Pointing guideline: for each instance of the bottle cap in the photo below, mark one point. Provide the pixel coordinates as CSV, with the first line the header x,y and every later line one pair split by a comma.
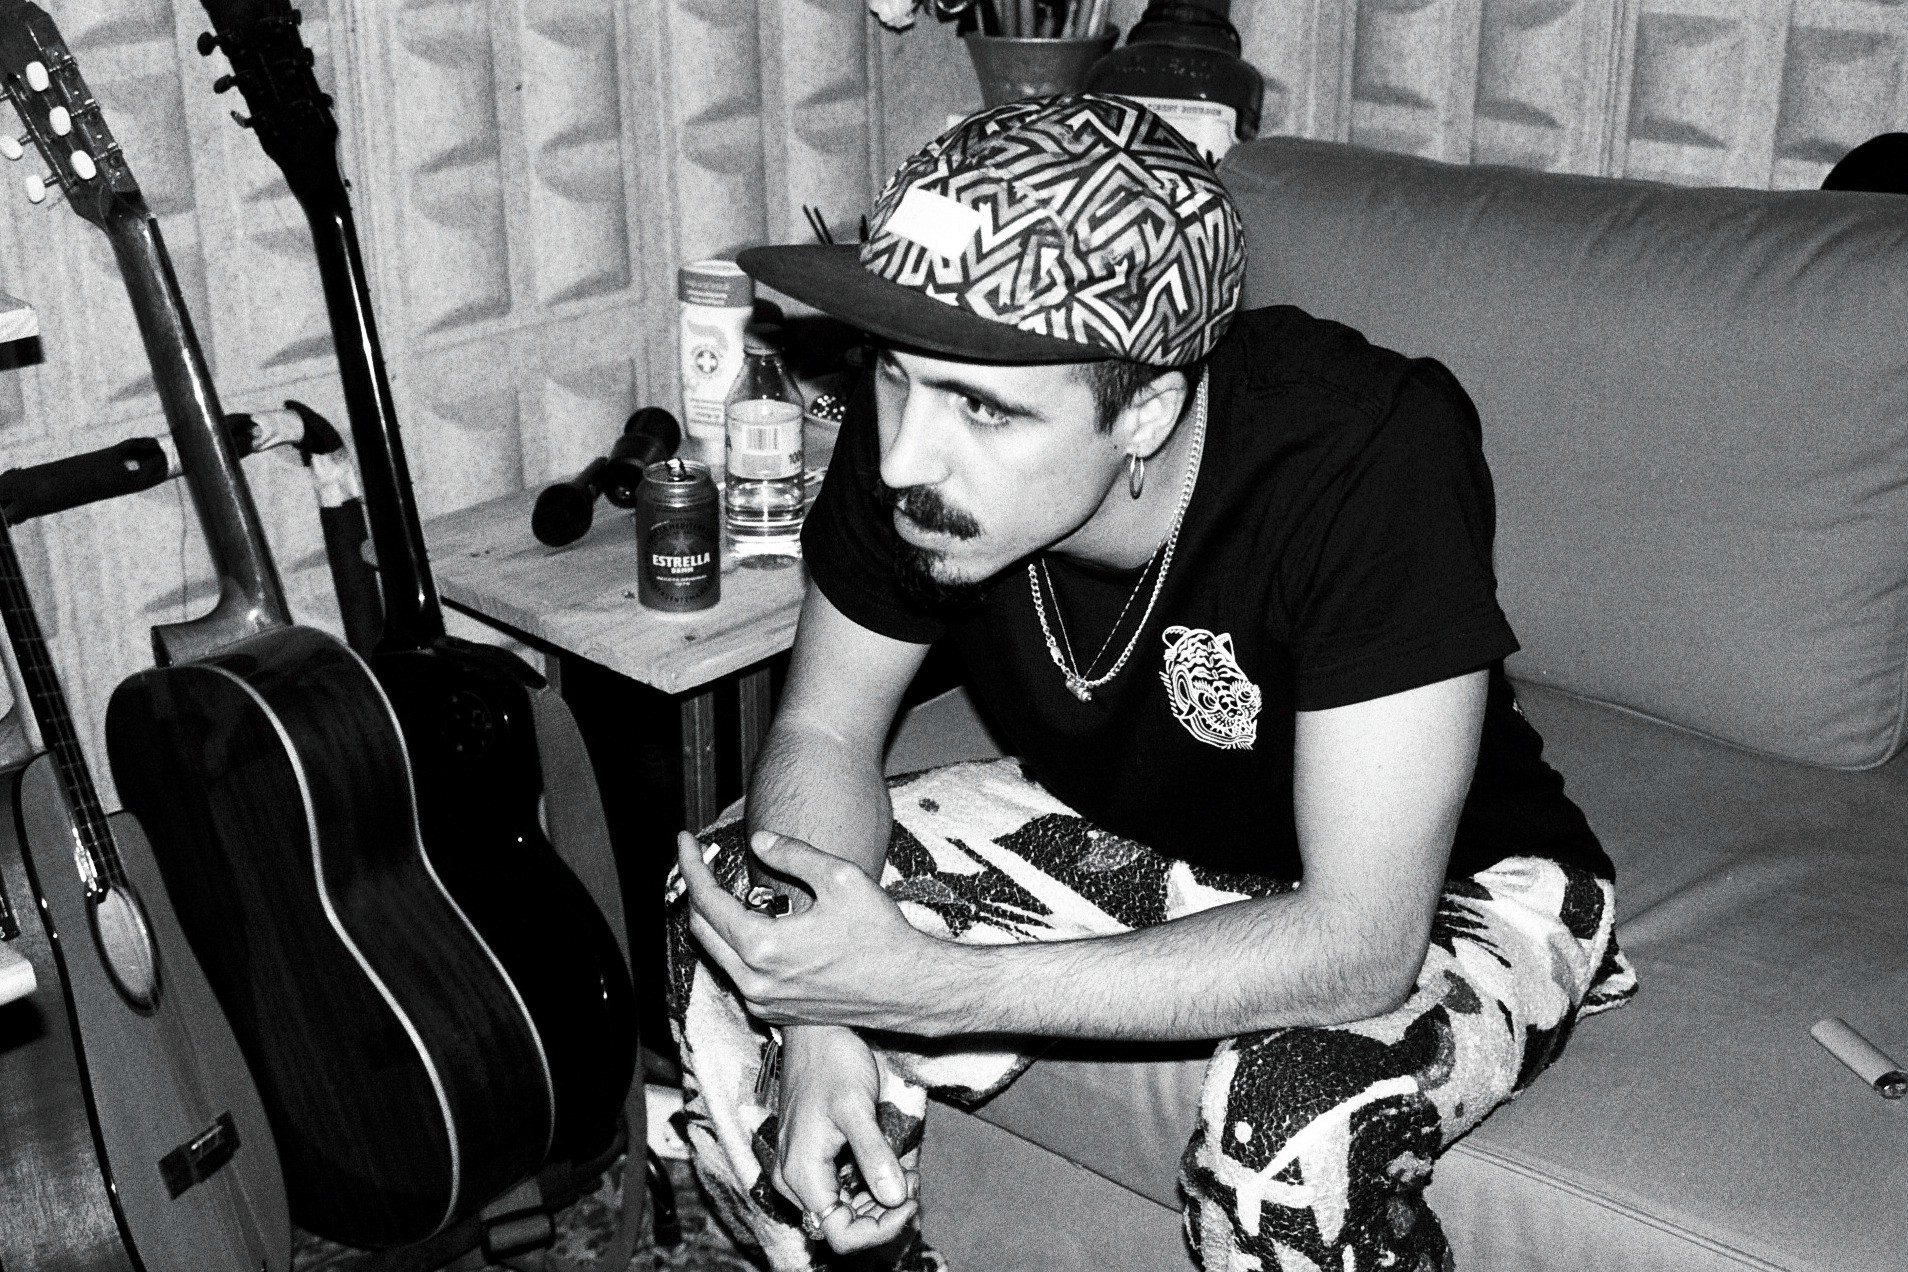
x,y
761,338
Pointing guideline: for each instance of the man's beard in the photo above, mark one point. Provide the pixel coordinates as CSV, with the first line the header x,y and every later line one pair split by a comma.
x,y
914,566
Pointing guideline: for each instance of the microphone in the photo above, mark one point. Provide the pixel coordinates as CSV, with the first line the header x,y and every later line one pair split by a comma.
x,y
649,436
565,509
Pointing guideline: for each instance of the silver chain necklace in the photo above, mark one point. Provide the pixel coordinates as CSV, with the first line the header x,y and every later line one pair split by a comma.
x,y
1077,682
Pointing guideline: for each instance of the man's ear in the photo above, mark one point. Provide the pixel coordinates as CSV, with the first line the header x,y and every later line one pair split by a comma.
x,y
1148,420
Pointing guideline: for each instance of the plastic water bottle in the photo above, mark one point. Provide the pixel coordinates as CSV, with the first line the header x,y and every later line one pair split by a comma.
x,y
762,493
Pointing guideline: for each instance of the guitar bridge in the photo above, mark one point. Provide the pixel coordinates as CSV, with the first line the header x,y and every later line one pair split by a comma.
x,y
199,1158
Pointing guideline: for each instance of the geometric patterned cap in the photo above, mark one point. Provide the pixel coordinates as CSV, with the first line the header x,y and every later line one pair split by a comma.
x,y
1067,228
1084,217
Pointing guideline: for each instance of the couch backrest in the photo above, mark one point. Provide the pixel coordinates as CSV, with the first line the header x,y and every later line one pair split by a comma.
x,y
1695,407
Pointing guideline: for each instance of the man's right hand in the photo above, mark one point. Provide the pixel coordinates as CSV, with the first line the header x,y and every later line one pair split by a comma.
x,y
830,1088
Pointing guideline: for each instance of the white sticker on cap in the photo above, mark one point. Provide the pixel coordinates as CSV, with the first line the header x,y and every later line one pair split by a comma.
x,y
942,225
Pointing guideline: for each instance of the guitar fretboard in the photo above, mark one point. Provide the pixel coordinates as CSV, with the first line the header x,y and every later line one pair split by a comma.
x,y
48,700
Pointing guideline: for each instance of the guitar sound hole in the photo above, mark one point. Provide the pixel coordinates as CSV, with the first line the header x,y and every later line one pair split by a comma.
x,y
125,947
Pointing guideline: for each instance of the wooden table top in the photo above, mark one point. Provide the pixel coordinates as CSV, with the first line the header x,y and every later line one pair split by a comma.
x,y
581,599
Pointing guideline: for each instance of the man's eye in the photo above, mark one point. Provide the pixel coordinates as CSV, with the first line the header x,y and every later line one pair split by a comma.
x,y
982,413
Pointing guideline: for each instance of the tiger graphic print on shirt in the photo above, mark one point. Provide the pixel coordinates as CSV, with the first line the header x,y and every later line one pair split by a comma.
x,y
1208,692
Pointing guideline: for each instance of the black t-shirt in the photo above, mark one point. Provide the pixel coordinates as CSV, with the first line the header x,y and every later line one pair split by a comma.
x,y
1336,549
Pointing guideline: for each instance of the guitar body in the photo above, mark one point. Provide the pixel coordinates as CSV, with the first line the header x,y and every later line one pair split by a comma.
x,y
55,1211
404,1079
468,724
131,1086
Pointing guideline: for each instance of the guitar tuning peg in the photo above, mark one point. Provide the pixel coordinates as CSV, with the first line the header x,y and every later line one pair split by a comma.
x,y
223,82
207,43
60,120
298,17
83,165
11,147
36,77
241,120
38,187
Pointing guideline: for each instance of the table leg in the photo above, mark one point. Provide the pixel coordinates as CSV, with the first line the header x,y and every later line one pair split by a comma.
x,y
699,760
752,693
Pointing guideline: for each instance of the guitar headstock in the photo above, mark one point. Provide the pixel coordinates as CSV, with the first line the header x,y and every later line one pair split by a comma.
x,y
62,120
272,69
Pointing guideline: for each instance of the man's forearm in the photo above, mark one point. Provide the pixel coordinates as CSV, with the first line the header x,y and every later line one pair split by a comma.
x,y
818,789
813,788
1252,965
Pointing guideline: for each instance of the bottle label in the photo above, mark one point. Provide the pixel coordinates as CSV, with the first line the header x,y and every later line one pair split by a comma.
x,y
711,339
680,564
765,440
1211,127
718,283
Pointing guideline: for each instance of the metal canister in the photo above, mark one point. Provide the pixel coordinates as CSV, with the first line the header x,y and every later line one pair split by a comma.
x,y
678,538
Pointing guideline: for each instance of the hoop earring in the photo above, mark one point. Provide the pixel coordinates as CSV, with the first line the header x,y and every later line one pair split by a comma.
x,y
1135,475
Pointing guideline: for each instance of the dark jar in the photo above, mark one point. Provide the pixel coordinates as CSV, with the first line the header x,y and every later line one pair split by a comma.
x,y
1182,61
678,538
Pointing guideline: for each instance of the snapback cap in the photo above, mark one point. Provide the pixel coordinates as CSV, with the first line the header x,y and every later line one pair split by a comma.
x,y
1059,229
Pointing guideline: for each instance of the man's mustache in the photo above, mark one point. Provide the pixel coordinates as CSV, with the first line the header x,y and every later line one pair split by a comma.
x,y
925,508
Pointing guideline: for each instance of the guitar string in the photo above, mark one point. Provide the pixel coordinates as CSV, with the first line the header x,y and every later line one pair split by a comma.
x,y
47,699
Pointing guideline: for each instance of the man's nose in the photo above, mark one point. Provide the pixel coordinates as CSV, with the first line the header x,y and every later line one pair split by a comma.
x,y
913,455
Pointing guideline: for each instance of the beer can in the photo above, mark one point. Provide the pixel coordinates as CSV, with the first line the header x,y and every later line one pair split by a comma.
x,y
678,538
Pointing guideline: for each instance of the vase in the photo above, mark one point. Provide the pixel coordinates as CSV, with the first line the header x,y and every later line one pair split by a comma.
x,y
1013,67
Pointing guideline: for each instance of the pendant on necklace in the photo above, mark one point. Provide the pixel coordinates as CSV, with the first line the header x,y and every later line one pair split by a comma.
x,y
1081,689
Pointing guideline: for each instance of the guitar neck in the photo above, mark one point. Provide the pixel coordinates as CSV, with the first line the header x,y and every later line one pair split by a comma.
x,y
413,616
291,118
34,663
251,599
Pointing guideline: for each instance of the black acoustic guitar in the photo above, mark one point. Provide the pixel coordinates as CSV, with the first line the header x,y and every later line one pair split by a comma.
x,y
402,1077
466,709
131,1134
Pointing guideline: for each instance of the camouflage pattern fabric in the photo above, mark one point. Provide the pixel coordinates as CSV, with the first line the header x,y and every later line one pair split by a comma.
x,y
1313,1146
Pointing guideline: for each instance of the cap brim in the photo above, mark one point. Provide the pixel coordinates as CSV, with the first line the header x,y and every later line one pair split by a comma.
x,y
829,276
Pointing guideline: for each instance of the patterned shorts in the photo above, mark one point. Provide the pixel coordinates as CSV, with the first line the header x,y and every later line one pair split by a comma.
x,y
1313,1145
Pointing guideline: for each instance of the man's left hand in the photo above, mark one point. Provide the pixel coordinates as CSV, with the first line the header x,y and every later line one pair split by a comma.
x,y
849,958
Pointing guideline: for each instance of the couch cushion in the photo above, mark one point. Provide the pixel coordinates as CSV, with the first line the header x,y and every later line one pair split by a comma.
x,y
1699,1126
1695,405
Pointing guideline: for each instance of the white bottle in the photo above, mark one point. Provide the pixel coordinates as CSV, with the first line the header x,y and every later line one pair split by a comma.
x,y
762,496
717,300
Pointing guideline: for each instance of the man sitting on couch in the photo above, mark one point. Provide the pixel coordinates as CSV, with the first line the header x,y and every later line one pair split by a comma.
x,y
1224,584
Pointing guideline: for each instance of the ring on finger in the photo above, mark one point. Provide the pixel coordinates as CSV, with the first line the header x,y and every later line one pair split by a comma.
x,y
812,1221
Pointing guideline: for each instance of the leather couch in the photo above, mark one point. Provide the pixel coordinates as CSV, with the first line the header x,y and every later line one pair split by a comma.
x,y
1695,405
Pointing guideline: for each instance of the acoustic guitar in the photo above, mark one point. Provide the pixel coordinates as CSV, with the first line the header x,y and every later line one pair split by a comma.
x,y
131,1134
402,1076
466,709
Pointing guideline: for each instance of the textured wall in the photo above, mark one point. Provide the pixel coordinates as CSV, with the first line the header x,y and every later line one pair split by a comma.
x,y
529,173
526,174
1763,93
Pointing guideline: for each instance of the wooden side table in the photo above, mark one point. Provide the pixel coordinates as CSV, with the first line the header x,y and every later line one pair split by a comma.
x,y
581,600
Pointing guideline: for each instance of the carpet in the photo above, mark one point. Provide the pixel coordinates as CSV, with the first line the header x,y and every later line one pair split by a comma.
x,y
584,1227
